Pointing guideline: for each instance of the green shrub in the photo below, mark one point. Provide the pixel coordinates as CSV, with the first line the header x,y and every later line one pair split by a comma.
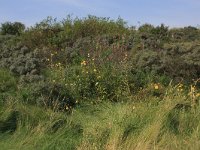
x,y
186,34
53,33
15,28
89,81
21,60
153,37
47,94
178,61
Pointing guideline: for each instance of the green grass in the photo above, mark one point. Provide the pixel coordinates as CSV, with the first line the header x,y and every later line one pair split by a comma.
x,y
167,123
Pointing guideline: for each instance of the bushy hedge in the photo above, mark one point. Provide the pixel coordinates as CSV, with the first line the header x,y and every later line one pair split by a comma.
x,y
179,60
15,28
64,63
21,60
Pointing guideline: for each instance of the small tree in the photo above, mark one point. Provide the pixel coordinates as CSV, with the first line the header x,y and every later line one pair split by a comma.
x,y
15,28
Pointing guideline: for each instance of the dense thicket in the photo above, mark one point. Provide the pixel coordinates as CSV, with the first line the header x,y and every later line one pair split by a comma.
x,y
94,57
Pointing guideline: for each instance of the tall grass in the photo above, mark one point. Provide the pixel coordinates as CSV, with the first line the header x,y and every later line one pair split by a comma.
x,y
170,122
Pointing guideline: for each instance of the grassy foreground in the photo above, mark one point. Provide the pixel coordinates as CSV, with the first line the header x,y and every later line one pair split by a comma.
x,y
168,123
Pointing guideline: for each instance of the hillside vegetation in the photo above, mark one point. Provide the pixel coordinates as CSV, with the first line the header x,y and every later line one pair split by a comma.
x,y
95,83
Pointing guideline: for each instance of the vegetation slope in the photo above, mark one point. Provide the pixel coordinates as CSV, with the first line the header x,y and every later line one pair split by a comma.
x,y
96,83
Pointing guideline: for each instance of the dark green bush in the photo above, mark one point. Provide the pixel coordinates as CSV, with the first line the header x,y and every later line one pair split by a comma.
x,y
53,33
48,95
93,26
153,37
118,60
15,28
186,34
175,60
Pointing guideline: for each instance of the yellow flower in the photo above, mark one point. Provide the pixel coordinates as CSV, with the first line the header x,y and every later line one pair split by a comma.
x,y
198,95
95,70
180,89
180,86
83,63
156,87
192,88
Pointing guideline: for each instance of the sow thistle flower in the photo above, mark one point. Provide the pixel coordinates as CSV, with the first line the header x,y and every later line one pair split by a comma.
x,y
180,87
193,92
192,88
83,63
198,95
98,77
58,65
156,86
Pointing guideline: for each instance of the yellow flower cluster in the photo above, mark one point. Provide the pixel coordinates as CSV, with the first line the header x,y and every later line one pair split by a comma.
x,y
83,63
194,93
180,87
192,88
58,64
198,95
156,86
